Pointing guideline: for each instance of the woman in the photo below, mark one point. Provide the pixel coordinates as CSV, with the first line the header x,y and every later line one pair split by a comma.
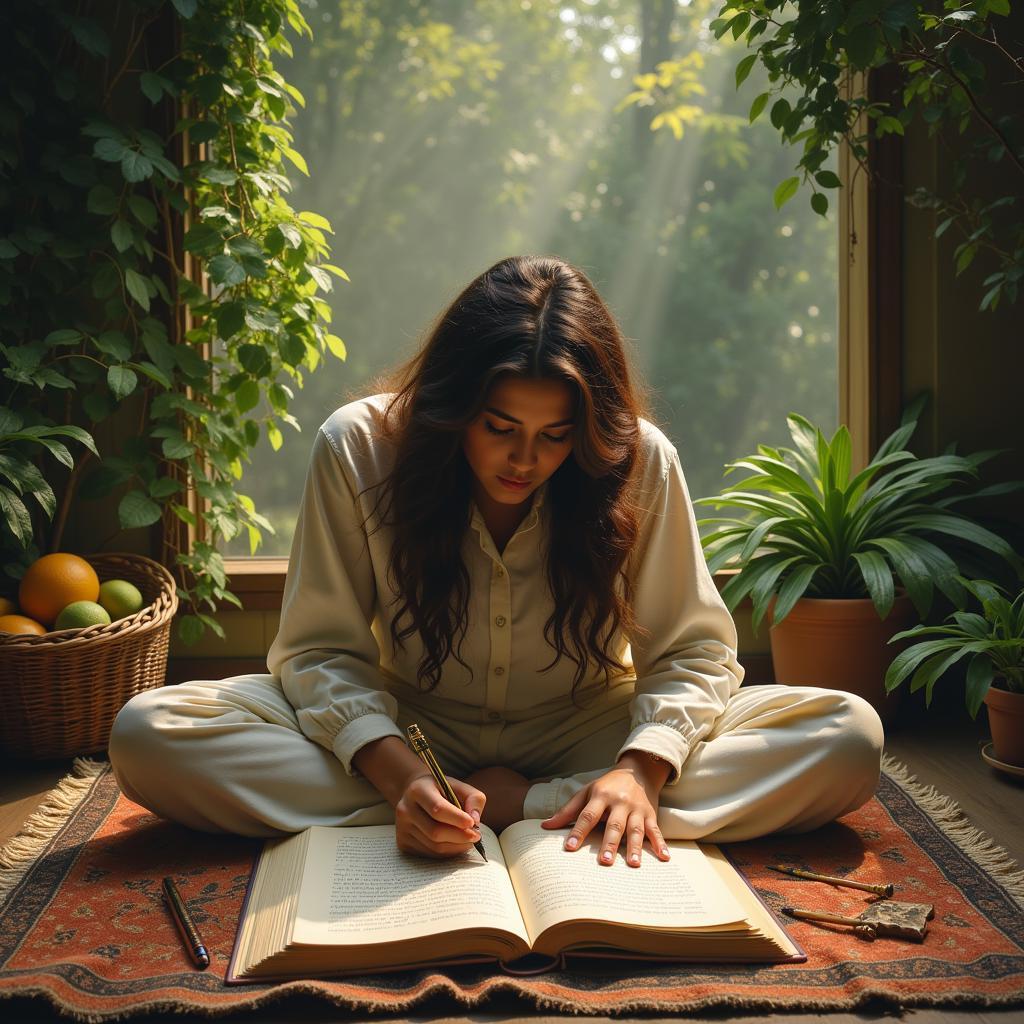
x,y
502,549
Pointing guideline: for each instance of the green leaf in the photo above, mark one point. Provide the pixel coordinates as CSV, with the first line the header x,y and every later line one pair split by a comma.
x,y
203,239
758,105
135,166
316,220
177,447
190,629
8,251
247,396
861,44
65,336
979,678
743,68
255,359
136,285
88,34
785,191
877,578
154,373
780,111
121,381
213,624
152,86
114,343
819,203
164,487
102,199
220,176
17,517
792,589
230,319
828,179
260,318
336,345
58,451
136,509
10,421
110,150
143,210
296,158
291,235
121,235
913,573
226,271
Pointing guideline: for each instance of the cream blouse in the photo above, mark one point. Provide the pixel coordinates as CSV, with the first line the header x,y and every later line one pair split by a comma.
x,y
333,652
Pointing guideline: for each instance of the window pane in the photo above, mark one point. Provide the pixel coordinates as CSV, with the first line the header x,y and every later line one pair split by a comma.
x,y
442,137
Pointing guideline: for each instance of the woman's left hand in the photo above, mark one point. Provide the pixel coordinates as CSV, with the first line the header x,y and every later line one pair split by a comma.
x,y
629,796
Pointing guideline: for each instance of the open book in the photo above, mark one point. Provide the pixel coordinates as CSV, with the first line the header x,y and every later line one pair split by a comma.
x,y
332,901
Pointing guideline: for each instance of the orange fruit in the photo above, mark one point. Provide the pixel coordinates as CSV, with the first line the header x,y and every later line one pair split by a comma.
x,y
7,606
53,582
20,624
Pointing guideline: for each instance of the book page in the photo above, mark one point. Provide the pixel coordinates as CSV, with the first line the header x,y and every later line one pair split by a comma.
x,y
556,885
359,888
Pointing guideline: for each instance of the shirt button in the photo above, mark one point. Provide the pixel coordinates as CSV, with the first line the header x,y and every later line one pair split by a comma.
x,y
499,571
494,715
500,620
499,671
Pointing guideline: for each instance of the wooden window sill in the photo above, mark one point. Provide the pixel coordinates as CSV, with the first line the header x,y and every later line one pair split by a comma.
x,y
259,582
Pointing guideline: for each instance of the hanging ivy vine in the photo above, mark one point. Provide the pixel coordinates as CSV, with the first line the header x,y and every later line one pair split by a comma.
x,y
155,260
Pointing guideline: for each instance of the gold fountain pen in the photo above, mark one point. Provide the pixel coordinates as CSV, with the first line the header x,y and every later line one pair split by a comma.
x,y
419,744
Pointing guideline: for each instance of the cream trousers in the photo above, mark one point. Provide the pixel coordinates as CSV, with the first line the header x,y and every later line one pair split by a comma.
x,y
228,756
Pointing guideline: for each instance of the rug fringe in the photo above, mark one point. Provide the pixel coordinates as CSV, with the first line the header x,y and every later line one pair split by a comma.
x,y
18,854
952,821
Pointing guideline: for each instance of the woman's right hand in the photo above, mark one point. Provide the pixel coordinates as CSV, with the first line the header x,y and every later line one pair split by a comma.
x,y
427,824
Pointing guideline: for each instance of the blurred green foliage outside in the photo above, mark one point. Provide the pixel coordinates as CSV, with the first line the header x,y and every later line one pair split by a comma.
x,y
443,136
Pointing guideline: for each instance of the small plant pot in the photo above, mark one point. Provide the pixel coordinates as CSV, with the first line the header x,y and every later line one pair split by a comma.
x,y
841,644
1006,722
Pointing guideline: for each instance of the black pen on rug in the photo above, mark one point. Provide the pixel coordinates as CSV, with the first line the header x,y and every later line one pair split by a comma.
x,y
186,926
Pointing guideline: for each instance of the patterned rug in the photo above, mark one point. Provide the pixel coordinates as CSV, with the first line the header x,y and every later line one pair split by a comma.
x,y
83,925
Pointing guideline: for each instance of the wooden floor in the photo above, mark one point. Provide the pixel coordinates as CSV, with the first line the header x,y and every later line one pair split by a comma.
x,y
941,747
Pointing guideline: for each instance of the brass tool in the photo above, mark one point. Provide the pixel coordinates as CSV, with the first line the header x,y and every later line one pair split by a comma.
x,y
887,918
884,889
860,929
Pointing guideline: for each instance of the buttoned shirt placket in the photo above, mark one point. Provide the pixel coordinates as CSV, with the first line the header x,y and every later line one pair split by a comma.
x,y
500,612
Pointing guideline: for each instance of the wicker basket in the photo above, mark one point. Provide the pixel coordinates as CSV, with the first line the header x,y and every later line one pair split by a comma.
x,y
60,693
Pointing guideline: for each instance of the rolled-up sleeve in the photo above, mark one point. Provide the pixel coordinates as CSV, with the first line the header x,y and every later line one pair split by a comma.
x,y
325,653
685,661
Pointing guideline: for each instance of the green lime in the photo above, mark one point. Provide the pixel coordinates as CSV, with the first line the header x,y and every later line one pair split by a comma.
x,y
120,598
80,614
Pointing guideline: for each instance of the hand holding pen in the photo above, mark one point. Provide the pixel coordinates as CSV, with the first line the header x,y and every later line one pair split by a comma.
x,y
426,825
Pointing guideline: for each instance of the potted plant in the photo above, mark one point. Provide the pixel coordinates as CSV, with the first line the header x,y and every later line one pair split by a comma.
x,y
842,561
994,638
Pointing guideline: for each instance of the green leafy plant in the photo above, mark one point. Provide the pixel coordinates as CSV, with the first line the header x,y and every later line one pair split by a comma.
x,y
151,266
994,639
813,529
949,57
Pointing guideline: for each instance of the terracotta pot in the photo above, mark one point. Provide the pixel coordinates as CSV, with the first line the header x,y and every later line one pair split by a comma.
x,y
1006,722
841,644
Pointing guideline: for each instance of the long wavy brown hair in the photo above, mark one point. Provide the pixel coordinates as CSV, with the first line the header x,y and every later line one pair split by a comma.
x,y
536,317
